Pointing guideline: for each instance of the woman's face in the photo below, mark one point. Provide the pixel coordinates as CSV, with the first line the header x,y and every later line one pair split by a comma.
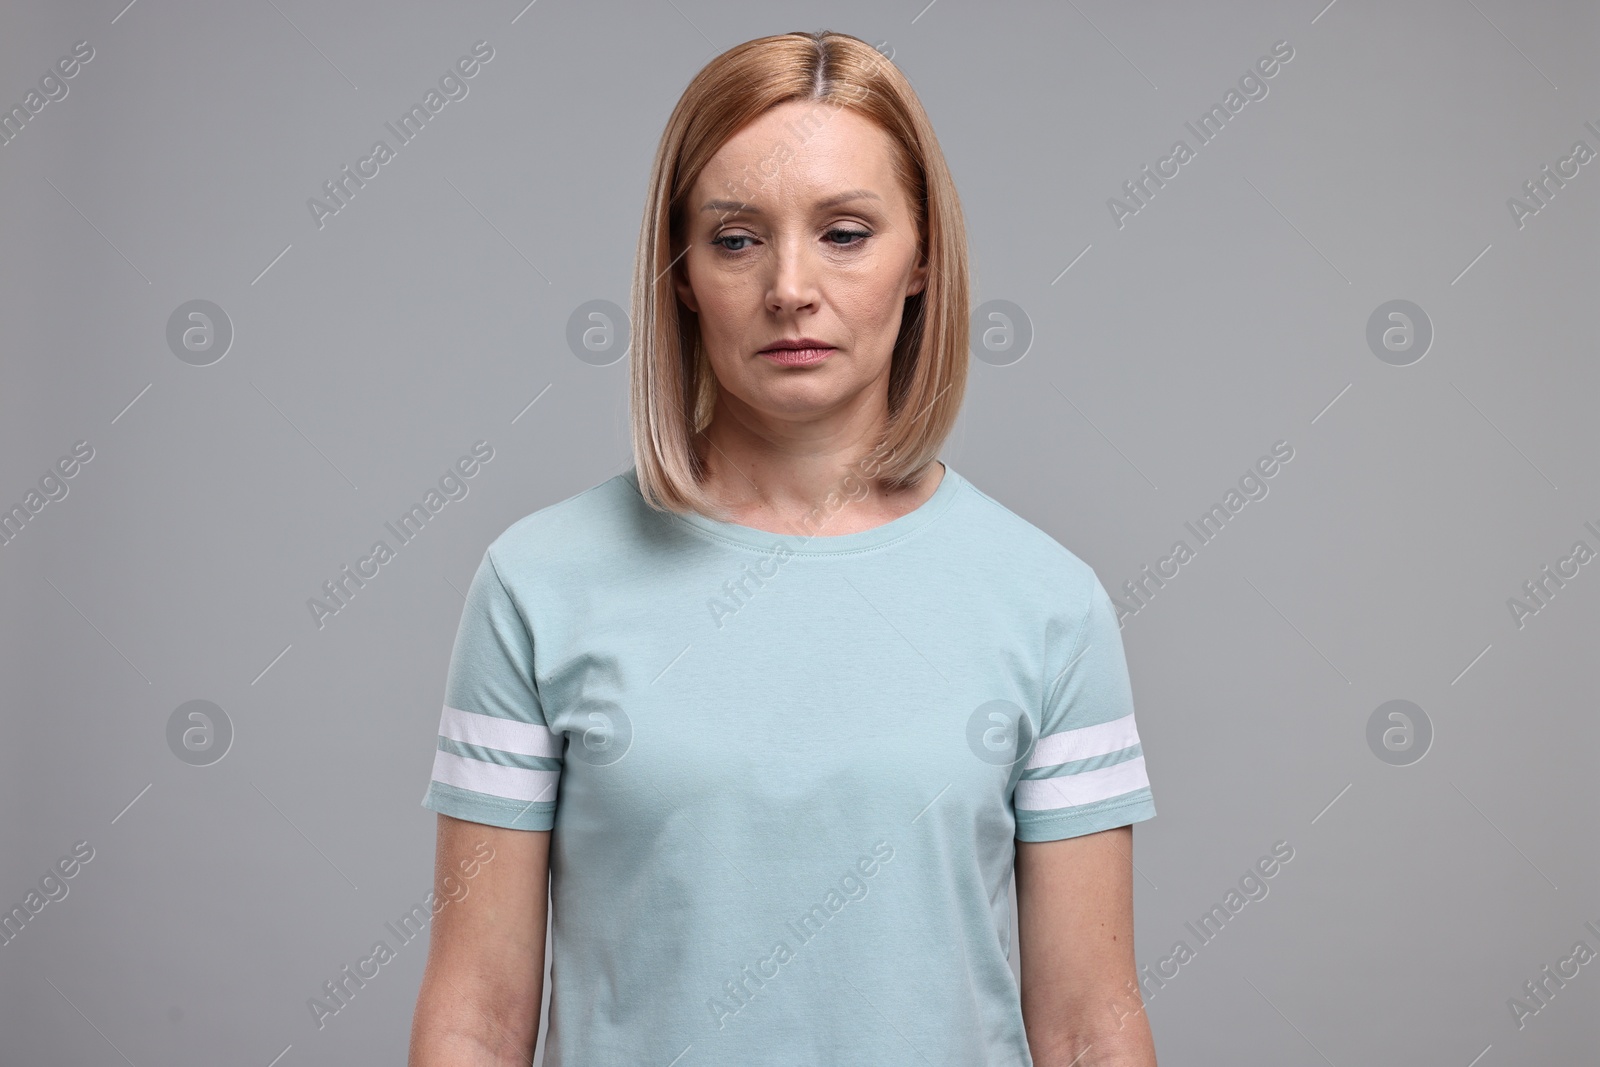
x,y
798,228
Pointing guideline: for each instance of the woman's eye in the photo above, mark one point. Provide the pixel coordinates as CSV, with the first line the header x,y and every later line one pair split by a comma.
x,y
852,238
863,234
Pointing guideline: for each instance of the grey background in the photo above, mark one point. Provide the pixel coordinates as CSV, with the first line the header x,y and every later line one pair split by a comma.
x,y
1228,314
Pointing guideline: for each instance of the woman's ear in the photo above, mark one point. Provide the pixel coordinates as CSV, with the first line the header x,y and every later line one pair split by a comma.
x,y
680,282
919,276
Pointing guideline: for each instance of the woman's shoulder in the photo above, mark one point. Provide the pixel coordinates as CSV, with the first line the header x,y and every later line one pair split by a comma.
x,y
1028,547
578,525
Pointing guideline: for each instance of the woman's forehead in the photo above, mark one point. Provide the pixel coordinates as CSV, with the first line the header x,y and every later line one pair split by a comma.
x,y
773,163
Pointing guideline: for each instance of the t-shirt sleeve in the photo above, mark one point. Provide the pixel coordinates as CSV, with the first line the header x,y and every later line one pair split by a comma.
x,y
1086,770
497,761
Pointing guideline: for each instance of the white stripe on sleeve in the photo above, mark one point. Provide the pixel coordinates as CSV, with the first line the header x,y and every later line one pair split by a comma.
x,y
490,731
513,783
1073,790
1068,745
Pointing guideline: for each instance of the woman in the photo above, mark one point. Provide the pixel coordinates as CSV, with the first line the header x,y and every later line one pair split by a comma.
x,y
777,709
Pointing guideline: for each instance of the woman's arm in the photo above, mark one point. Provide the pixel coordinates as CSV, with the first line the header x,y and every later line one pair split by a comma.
x,y
1080,992
484,980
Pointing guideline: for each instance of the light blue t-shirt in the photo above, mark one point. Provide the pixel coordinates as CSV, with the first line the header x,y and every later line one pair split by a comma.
x,y
785,772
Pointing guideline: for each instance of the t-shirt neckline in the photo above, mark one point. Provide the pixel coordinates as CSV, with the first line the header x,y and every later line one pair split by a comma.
x,y
823,544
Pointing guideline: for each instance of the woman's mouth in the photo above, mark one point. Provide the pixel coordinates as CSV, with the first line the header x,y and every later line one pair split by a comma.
x,y
798,357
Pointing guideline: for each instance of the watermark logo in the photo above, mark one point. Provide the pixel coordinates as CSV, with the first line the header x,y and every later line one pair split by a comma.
x,y
1542,189
1542,990
598,332
1252,85
1002,333
1539,591
52,889
339,590
1252,486
1000,733
341,989
342,189
855,485
199,332
52,89
1399,732
1251,887
602,735
850,887
199,733
52,488
1399,332
737,592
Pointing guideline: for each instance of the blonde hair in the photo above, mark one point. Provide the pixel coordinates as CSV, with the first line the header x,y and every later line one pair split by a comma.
x,y
672,389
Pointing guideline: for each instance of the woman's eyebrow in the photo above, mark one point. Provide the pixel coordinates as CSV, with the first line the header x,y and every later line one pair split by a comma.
x,y
739,206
